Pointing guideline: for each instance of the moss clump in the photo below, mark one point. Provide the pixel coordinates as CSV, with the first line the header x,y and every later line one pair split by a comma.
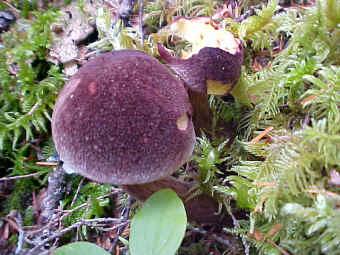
x,y
29,86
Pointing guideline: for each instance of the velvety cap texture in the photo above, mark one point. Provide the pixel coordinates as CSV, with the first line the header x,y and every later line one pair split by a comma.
x,y
208,64
123,118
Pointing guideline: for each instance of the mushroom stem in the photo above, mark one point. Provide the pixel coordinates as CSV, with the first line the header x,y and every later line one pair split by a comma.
x,y
201,209
202,116
211,71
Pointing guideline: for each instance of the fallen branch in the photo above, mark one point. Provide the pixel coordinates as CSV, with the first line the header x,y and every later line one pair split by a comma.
x,y
54,192
87,222
67,212
19,177
217,238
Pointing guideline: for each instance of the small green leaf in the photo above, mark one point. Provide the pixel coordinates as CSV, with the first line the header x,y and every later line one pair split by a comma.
x,y
80,248
159,227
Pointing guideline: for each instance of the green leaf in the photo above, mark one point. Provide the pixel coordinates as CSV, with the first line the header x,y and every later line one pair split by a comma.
x,y
159,227
80,248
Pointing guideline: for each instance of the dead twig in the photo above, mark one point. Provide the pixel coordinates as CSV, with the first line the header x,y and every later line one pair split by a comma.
x,y
15,10
35,106
124,215
248,13
47,163
77,191
236,224
87,222
67,212
140,21
115,191
21,238
217,238
262,134
54,192
19,177
125,10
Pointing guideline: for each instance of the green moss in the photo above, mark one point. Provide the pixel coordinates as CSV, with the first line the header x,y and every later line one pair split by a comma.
x,y
29,90
29,86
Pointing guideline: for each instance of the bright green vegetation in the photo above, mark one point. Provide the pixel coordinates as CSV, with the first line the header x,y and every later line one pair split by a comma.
x,y
283,180
163,216
29,86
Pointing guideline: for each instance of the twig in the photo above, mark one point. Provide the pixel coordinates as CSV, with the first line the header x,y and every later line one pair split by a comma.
x,y
21,238
125,9
86,203
140,21
278,247
306,120
235,222
103,220
262,134
67,212
257,235
35,106
112,4
219,239
15,10
265,184
248,13
55,183
77,191
316,190
307,99
123,250
86,211
124,214
19,177
87,222
50,202
47,163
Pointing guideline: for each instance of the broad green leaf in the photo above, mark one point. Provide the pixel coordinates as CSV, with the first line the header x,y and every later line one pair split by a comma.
x,y
80,248
159,227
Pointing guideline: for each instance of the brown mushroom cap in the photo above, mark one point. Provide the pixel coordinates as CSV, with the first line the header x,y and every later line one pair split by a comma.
x,y
214,63
209,64
123,118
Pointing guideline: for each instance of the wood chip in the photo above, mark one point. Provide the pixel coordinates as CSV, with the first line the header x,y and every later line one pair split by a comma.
x,y
262,134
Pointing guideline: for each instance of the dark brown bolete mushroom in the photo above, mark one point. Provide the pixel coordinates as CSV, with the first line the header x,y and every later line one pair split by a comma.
x,y
212,67
204,70
125,119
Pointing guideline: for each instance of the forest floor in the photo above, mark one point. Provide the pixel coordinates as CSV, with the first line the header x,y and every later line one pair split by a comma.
x,y
273,166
